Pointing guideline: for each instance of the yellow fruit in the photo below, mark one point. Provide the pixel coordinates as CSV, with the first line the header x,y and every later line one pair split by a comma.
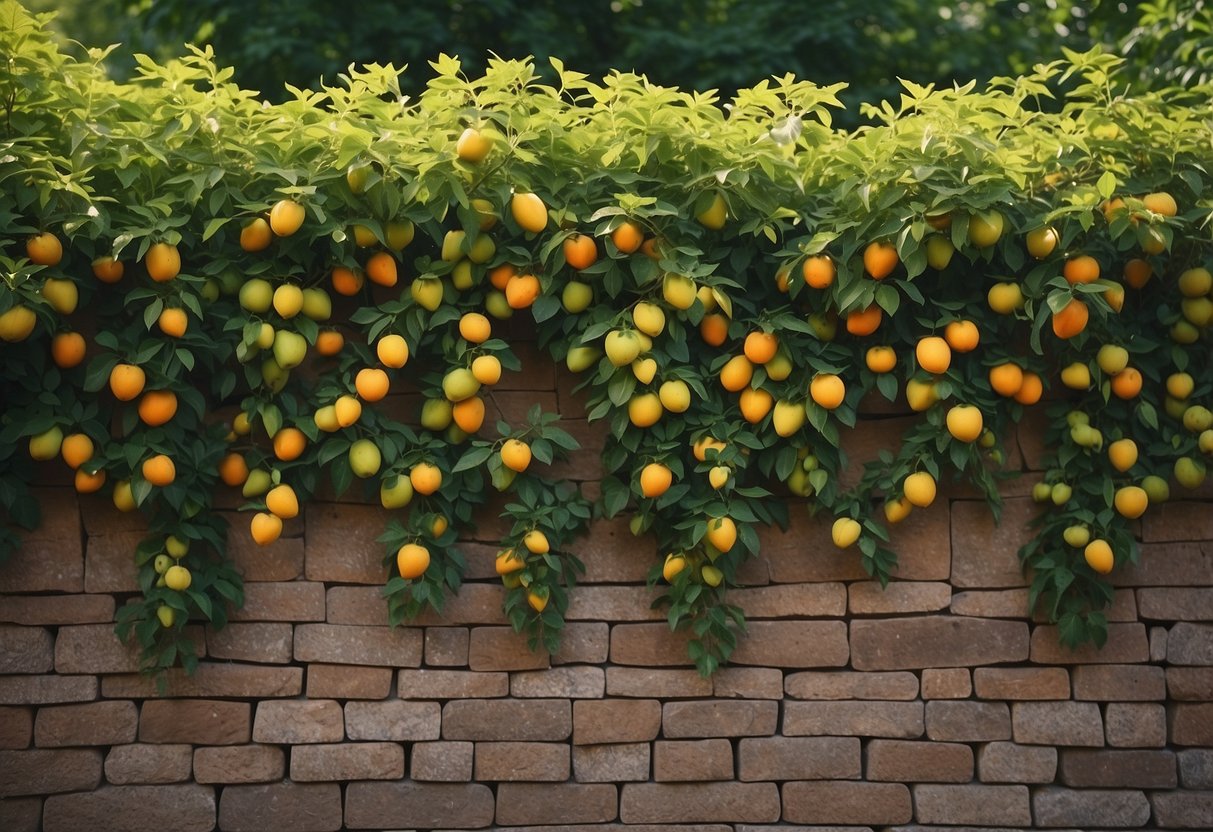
x,y
1098,555
124,497
412,559
427,292
1180,385
845,532
536,542
919,488
286,217
400,233
16,323
649,318
788,417
965,422
177,578
712,213
673,566
1077,536
365,458
1131,501
920,395
655,480
288,300
265,528
707,443
722,533
1076,376
719,476
933,354
1195,283
985,228
1004,298
1112,359
675,395
1123,454
163,262
529,212
395,492
348,410
939,252
622,346
644,369
516,455
827,390
735,375
576,297
62,294
460,384
1042,241
46,445
679,291
897,509
44,249
473,146
282,501
645,410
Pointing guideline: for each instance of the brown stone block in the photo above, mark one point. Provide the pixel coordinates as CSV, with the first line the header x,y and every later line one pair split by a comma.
x,y
299,721
1057,723
21,814
1006,762
747,683
474,604
923,545
793,644
613,604
538,373
1190,683
1196,768
1118,769
46,771
239,764
522,761
210,679
340,544
615,720
396,805
51,557
449,762
681,761
47,690
935,641
791,601
646,683
573,682
452,684
1183,810
446,646
1024,683
26,649
896,720
648,645
720,718
194,721
336,681
16,727
282,560
985,554
394,719
56,610
500,648
797,758
1175,603
95,723
1190,644
998,603
612,555
1120,683
901,761
526,720
1169,564
805,553
94,648
182,808
977,805
846,684
869,598
144,764
315,807
1192,724
567,803
946,683
268,643
583,643
699,803
843,802
347,761
968,721
1126,644
1177,520
341,644
282,601
109,562
613,763
1089,808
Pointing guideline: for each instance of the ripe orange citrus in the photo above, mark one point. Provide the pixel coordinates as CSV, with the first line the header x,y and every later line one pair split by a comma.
x,y
881,359
827,390
714,329
126,381
522,290
933,354
819,271
1127,383
760,347
426,478
919,488
392,350
265,528
1006,379
286,217
516,455
346,281
67,349
962,336
157,407
163,262
412,559
1081,269
1030,390
159,470
736,373
282,501
864,321
329,342
580,251
381,269
87,483
1071,320
76,449
372,384
879,259
233,470
655,480
469,414
173,321
256,235
628,237
289,444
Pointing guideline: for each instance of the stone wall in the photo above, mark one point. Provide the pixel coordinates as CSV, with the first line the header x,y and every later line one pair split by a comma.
x,y
934,703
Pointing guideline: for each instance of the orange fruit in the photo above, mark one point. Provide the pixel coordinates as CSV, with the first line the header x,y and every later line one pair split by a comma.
x,y
486,369
1161,203
475,328
265,528
736,373
580,251
348,410
516,455
372,384
704,444
87,483
282,501
827,390
381,269
1123,454
521,291
819,271
933,354
289,444
962,336
286,217
722,533
755,404
1138,272
881,359
1131,501
1006,379
628,237
67,349
1081,269
1127,383
714,329
163,262
1030,390
1115,295
651,248
76,449
469,414
107,269
233,470
159,470
500,276
760,347
157,407
329,342
173,322
126,381
412,559
864,321
44,249
879,259
392,350
645,410
346,281
1071,320
426,478
965,422
256,235
1098,555
655,480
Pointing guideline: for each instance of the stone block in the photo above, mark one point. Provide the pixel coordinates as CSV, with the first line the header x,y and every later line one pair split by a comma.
x,y
263,642
146,764
1136,724
968,721
279,807
520,804
846,803
615,720
973,804
299,721
1023,683
946,683
682,761
845,684
899,597
449,762
647,683
901,761
500,648
183,808
239,764
985,554
1120,683
336,681
94,723
1089,808
446,646
895,720
56,610
341,644
1190,644
408,805
344,761
1006,762
1057,723
452,684
1082,768
720,718
396,720
798,758
794,644
699,803
508,720
1192,724
16,727
612,763
1127,644
570,682
522,761
282,601
1183,810
194,721
936,641
39,771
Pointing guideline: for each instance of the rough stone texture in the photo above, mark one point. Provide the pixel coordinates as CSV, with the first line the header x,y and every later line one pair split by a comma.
x,y
1192,724
194,721
338,644
522,761
47,771
842,802
1126,644
984,554
720,718
793,644
968,721
317,720
395,720
1006,762
869,598
97,723
645,683
1193,684
406,805
51,557
16,727
614,763
21,814
305,807
525,803
747,683
46,690
239,764
936,641
1120,683
210,679
145,764
844,684
347,761
443,762
451,684
265,642
26,649
1135,725
1118,769
1196,768
500,648
446,646
1057,723
682,761
977,805
56,610
896,720
526,720
946,683
616,720
1179,810
183,808
1023,682
336,681
1089,808
899,761
574,682
1190,644
282,601
699,802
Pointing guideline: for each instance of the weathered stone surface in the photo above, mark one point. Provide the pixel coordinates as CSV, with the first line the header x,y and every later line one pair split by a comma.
x,y
109,562
1118,769
1127,644
396,805
210,679
1192,724
446,646
522,761
282,601
747,683
51,557
791,644
583,642
571,682
451,684
845,684
46,771
1057,723
335,681
1136,725
978,805
340,644
843,802
347,761
265,642
720,718
16,727
798,758
239,764
684,761
299,721
182,808
1190,644
500,648
869,598
443,762
1177,520
1183,810
936,641
95,723
56,610
302,807
527,803
901,761
984,554
699,803
21,814
613,763
1190,683
896,720
394,719
142,764
1169,564
968,721
47,690
646,683
523,720
340,545
1022,683
194,721
1006,762
26,649
1175,603
616,720
1120,683
997,603
1196,768
282,560
648,645
1089,808
792,601
612,604
612,555
92,648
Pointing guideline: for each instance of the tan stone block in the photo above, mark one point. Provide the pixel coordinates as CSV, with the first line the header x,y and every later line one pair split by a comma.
x,y
26,649
394,719
500,648
647,683
985,554
572,682
47,690
901,761
699,803
388,805
1119,769
239,764
720,718
1057,723
565,803
583,642
452,684
51,557
935,641
210,679
692,760
1120,683
1089,808
340,543
194,721
16,727
1192,724
805,553
612,763
449,762
648,645
796,644
946,683
973,804
340,644
522,761
845,684
798,758
615,720
1190,644
897,720
257,808
282,601
1177,520
337,681
94,723
39,771
1168,564
187,807
56,610
869,598
747,683
791,601
347,761
145,764
1190,683
1006,762
1126,645
268,643
523,720
612,555
109,562
998,603
960,721
844,802
1024,682
1182,810
446,646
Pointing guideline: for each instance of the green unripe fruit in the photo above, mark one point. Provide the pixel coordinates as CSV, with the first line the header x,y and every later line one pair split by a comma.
x,y
365,458
256,295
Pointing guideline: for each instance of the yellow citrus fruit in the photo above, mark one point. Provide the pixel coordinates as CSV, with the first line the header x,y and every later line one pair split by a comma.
x,y
1098,555
965,422
919,488
412,559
